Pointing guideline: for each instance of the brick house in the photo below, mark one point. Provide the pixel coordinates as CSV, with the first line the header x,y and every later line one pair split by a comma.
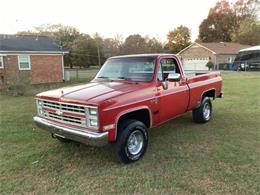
x,y
196,55
37,58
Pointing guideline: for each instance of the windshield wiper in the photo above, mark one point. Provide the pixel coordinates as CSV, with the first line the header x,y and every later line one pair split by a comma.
x,y
117,78
125,78
103,77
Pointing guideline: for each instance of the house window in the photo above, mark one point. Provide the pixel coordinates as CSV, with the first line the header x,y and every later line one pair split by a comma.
x,y
1,62
24,62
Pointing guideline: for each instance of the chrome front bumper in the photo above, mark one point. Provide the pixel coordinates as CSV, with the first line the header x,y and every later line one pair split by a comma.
x,y
82,136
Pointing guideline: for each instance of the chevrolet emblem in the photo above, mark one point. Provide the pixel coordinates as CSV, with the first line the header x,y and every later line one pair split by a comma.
x,y
58,112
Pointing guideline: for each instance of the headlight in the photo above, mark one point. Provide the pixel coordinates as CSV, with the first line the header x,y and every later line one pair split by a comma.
x,y
92,117
39,105
40,111
93,123
92,111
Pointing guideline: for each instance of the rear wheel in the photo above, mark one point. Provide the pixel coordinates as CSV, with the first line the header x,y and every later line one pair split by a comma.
x,y
131,142
203,113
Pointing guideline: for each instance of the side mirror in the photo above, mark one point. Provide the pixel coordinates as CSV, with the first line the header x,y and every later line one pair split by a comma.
x,y
174,77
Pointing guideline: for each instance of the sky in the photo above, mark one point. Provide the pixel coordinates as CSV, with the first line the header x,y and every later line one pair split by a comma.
x,y
154,18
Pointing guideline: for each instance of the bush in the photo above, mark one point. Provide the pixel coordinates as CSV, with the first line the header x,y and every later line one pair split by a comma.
x,y
18,83
210,65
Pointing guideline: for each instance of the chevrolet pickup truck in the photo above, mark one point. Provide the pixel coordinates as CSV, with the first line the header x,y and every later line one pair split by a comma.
x,y
129,95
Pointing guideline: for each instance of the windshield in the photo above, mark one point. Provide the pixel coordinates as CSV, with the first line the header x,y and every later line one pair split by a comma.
x,y
128,68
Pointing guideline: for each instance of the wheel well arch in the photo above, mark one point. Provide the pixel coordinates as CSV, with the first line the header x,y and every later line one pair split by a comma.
x,y
140,114
209,93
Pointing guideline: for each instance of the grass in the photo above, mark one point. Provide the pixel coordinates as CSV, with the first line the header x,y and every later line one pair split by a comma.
x,y
220,157
80,75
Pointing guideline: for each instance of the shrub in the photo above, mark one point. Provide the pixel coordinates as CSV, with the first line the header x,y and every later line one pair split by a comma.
x,y
210,65
18,83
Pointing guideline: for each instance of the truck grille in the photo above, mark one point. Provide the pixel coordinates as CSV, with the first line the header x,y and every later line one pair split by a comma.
x,y
65,113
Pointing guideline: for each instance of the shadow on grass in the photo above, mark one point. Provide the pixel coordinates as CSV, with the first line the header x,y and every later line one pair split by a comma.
x,y
159,137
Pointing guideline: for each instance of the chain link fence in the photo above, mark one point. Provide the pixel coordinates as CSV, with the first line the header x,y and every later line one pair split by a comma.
x,y
79,74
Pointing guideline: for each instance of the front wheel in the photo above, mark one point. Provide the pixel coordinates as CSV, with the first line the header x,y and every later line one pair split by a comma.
x,y
203,113
131,142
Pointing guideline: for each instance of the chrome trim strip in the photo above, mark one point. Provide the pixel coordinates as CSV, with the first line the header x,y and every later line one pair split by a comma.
x,y
60,101
132,110
125,105
69,112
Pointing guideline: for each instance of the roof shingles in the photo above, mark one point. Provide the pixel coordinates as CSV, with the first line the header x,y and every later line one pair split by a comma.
x,y
26,43
224,47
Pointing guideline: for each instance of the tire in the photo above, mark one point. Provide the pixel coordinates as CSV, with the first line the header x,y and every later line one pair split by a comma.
x,y
131,142
203,113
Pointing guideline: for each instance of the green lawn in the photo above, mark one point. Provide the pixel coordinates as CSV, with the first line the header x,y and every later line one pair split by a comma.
x,y
220,157
80,75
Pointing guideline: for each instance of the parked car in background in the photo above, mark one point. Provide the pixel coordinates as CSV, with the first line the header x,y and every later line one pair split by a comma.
x,y
129,95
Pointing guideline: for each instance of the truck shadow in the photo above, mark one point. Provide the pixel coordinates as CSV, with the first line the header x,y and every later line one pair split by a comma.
x,y
157,136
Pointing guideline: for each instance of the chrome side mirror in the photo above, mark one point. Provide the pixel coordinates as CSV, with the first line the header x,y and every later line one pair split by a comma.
x,y
174,77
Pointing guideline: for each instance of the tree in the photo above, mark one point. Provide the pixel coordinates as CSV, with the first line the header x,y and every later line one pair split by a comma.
x,y
111,47
63,35
134,44
178,39
217,27
210,65
99,40
219,24
224,19
244,9
248,32
84,51
138,44
153,45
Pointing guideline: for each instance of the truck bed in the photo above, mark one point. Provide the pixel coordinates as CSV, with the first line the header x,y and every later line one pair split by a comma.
x,y
191,74
199,82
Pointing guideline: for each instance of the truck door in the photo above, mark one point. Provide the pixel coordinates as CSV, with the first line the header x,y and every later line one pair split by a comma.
x,y
174,99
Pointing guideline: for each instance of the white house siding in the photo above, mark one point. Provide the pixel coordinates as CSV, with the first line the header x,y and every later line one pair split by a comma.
x,y
195,64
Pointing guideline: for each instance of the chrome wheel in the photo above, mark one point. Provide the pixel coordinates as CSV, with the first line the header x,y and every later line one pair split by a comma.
x,y
206,111
135,142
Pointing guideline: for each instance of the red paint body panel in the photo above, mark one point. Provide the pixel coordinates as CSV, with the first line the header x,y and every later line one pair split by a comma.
x,y
116,98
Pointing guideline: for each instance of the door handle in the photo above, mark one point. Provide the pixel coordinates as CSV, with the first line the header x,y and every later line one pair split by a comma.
x,y
154,100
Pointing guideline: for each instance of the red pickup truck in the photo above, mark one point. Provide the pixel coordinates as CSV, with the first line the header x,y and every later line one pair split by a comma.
x,y
129,95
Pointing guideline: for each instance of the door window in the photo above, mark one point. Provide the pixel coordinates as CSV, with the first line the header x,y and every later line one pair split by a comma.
x,y
167,66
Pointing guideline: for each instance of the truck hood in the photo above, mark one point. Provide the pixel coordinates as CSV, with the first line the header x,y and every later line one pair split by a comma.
x,y
94,92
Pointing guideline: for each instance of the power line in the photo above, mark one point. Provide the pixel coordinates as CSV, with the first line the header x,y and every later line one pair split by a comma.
x,y
82,54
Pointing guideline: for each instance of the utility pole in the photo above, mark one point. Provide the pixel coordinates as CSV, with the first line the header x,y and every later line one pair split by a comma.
x,y
99,61
97,39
